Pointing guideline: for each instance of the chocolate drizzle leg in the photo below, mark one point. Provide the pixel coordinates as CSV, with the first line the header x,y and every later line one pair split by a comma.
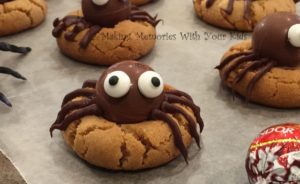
x,y
95,17
85,92
103,98
89,84
186,102
272,46
78,114
89,36
170,108
76,109
259,75
159,115
229,9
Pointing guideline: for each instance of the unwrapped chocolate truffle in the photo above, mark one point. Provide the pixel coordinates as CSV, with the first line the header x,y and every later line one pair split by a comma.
x,y
274,156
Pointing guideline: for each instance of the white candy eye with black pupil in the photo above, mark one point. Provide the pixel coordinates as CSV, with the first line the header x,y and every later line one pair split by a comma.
x,y
100,2
150,84
294,35
117,84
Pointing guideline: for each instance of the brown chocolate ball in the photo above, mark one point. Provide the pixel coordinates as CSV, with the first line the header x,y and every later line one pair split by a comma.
x,y
133,107
270,39
107,15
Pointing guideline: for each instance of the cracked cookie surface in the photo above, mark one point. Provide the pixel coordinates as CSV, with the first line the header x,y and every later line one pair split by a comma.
x,y
216,15
125,146
19,15
128,40
278,88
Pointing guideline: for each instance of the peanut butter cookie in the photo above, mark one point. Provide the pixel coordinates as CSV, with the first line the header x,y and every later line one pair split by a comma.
x,y
128,119
266,69
20,15
240,15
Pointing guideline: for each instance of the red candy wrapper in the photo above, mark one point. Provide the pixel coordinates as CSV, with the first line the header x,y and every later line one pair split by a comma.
x,y
274,156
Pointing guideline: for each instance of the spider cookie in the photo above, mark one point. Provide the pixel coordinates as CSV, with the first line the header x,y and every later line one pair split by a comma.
x,y
106,32
240,15
128,119
8,71
266,69
141,2
20,15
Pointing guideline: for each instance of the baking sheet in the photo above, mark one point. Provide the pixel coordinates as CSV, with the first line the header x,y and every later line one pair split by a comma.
x,y
230,125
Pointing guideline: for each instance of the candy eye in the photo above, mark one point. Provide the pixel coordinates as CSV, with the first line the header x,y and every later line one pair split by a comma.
x,y
117,84
100,2
294,35
150,84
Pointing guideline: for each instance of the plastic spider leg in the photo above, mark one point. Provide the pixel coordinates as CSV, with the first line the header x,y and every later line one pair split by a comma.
x,y
13,48
5,100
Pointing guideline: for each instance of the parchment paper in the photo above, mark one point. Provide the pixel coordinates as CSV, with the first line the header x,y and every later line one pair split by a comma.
x,y
230,125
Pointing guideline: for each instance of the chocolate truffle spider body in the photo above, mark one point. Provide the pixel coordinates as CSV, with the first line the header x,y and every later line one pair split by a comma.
x,y
129,93
275,43
97,15
4,70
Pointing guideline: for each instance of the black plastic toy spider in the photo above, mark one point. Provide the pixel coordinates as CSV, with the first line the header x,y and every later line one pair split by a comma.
x,y
11,48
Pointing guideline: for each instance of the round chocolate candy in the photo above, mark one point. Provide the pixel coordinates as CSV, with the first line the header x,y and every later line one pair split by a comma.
x,y
274,156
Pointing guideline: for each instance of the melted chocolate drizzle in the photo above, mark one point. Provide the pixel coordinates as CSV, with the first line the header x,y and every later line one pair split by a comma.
x,y
262,66
230,5
80,24
4,70
160,115
186,102
89,84
85,92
